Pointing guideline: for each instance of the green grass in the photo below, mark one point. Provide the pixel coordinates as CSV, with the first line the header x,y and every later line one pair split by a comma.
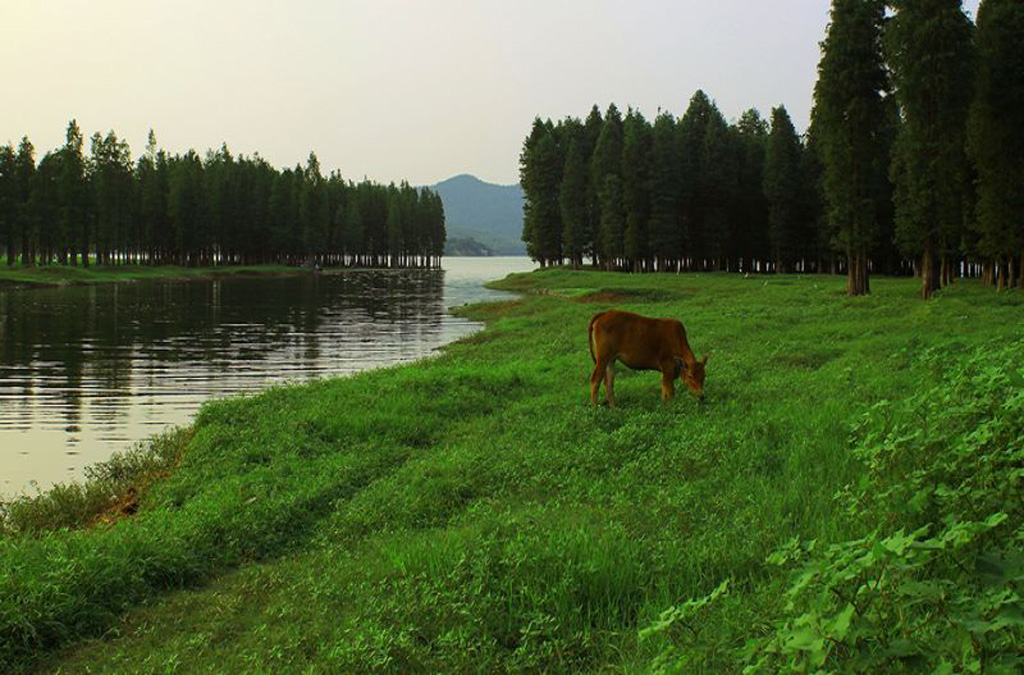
x,y
58,275
473,513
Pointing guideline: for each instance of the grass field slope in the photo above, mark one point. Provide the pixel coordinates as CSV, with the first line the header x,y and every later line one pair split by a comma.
x,y
847,499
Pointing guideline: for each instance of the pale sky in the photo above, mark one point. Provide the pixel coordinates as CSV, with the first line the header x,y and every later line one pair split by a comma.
x,y
387,89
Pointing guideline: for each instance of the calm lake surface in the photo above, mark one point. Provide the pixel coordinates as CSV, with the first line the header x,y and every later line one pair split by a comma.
x,y
89,370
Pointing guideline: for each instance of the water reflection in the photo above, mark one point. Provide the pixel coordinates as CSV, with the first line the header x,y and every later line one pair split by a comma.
x,y
88,370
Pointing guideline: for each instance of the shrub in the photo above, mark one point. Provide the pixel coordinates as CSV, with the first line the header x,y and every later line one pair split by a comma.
x,y
935,585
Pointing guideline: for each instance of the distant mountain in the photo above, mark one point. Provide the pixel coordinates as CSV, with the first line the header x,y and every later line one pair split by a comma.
x,y
465,246
488,213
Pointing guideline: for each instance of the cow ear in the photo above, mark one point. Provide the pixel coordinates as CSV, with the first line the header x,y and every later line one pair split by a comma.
x,y
705,359
680,363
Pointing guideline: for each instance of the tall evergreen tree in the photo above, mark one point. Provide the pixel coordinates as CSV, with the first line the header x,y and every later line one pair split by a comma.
x,y
394,226
408,201
692,134
7,202
187,210
572,202
375,208
279,213
750,215
613,223
151,176
24,173
588,142
112,180
545,209
314,215
782,189
636,188
996,135
438,228
44,206
847,119
717,184
813,207
220,180
607,161
74,196
354,241
665,235
257,195
931,54
530,182
886,257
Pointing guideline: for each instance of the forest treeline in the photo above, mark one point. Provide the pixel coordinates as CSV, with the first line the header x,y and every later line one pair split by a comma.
x,y
197,211
686,193
913,164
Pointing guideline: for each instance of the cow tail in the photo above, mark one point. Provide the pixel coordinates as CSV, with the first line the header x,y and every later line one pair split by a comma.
x,y
590,337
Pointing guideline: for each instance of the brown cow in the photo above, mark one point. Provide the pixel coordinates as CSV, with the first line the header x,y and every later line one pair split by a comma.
x,y
642,343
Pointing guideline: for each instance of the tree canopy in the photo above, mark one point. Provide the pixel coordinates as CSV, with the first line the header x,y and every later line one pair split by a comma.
x,y
107,207
675,194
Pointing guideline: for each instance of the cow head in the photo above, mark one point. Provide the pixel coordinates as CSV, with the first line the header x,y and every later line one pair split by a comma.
x,y
693,377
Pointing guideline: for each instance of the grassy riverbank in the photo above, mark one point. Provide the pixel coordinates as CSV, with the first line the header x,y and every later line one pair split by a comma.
x,y
472,512
59,275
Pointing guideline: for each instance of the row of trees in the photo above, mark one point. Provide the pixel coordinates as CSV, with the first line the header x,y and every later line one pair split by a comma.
x,y
693,193
188,210
914,162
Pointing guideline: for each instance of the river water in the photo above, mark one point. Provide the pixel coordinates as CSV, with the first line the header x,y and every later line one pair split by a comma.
x,y
89,370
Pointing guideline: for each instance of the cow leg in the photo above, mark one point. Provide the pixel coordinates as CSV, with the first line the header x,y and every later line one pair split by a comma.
x,y
595,379
668,387
609,384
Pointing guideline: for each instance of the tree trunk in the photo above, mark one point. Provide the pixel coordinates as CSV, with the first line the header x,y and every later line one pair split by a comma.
x,y
857,274
929,279
926,276
26,253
